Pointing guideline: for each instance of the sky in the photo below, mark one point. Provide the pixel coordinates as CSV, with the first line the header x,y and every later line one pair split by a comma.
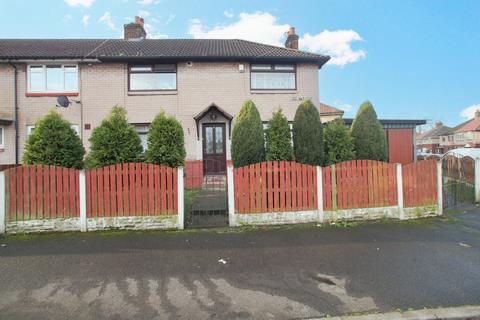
x,y
413,59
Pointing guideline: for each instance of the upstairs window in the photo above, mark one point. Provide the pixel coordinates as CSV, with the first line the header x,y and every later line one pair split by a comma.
x,y
52,78
152,77
273,77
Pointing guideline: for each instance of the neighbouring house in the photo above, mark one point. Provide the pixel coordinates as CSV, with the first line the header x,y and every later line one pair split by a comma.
x,y
401,137
203,82
433,140
465,135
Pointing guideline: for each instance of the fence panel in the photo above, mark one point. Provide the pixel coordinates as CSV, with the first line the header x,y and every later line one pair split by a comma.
x,y
359,184
275,186
41,192
131,189
420,183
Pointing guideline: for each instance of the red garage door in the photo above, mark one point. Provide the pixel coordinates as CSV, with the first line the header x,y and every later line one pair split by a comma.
x,y
400,145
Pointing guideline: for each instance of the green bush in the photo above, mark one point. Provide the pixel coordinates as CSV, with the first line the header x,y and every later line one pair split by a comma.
x,y
114,141
247,137
54,142
368,136
338,142
278,138
166,144
308,134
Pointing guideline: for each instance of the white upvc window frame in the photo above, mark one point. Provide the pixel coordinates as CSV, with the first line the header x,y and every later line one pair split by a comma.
x,y
142,130
75,127
44,68
2,139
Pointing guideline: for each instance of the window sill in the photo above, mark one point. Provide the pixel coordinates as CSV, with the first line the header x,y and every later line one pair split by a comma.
x,y
152,93
273,91
51,94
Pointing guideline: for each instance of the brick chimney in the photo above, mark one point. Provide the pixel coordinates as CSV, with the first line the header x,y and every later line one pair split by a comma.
x,y
477,114
292,39
438,124
134,30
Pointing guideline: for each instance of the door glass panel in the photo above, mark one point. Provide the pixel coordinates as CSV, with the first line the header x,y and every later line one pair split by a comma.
x,y
218,140
209,140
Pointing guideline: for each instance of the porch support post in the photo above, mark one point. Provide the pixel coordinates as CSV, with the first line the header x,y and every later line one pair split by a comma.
x,y
439,186
180,195
320,194
83,201
477,180
230,196
2,202
401,212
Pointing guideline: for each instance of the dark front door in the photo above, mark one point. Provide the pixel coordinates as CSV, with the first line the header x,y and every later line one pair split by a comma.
x,y
214,153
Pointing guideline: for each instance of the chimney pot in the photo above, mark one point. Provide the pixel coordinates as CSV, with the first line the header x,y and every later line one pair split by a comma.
x,y
292,39
134,30
139,20
438,124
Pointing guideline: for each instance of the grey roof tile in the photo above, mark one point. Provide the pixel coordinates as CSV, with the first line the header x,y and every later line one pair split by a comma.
x,y
174,49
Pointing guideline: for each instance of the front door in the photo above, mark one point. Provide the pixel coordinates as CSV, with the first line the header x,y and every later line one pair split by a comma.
x,y
214,153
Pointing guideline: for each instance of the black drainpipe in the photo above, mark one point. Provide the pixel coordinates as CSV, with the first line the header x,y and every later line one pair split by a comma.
x,y
15,110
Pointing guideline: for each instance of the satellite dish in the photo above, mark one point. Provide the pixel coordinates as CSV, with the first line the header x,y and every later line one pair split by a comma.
x,y
62,101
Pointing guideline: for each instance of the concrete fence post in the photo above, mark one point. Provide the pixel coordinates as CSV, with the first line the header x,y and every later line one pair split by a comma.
x,y
83,201
231,197
3,202
401,211
334,186
439,186
477,180
320,194
181,200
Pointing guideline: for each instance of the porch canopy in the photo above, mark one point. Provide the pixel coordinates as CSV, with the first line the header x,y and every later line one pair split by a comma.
x,y
213,111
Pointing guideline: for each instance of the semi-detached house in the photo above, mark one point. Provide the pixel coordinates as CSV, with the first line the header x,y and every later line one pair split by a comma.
x,y
203,82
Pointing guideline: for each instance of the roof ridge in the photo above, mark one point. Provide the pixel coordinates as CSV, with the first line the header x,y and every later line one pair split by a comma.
x,y
283,48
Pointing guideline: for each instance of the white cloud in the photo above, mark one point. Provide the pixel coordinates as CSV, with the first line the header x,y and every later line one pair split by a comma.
x,y
153,33
228,13
170,18
107,19
264,27
469,112
337,44
67,18
143,13
260,27
147,2
85,20
79,3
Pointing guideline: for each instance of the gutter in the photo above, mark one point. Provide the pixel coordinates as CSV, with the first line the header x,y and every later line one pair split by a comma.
x,y
15,109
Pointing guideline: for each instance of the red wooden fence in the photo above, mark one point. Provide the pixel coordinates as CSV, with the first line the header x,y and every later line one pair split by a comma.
x,y
131,189
193,174
275,186
41,192
419,183
360,184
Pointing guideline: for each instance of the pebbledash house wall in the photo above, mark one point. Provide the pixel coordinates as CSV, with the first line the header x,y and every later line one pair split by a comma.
x,y
103,85
7,153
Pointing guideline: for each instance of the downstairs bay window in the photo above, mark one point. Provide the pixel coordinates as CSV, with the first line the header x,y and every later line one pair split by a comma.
x,y
273,77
